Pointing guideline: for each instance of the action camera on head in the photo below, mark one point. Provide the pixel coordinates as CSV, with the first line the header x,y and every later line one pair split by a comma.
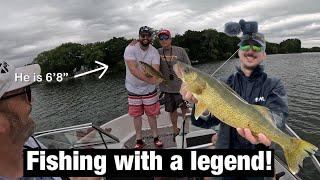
x,y
249,27
234,28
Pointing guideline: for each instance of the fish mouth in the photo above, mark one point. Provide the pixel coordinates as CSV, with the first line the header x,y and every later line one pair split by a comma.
x,y
141,65
178,69
185,72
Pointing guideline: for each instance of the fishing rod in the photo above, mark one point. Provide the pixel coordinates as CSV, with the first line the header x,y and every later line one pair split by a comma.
x,y
224,63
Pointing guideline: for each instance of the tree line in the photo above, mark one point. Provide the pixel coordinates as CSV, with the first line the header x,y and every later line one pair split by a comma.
x,y
201,46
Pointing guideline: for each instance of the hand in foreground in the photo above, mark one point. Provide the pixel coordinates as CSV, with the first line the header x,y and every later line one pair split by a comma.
x,y
246,133
186,95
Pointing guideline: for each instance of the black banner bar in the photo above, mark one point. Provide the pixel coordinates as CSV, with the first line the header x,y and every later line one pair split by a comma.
x,y
148,163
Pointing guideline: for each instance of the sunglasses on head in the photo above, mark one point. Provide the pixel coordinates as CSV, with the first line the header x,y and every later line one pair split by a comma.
x,y
247,47
27,91
163,37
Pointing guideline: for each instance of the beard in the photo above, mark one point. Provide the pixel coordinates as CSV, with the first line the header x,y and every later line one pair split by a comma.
x,y
20,128
145,43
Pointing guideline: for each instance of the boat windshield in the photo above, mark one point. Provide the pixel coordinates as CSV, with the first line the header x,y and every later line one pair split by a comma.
x,y
84,136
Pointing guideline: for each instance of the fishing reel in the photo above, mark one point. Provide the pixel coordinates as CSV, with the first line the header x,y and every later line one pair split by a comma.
x,y
246,27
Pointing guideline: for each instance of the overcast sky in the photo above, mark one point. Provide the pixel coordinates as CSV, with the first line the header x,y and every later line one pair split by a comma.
x,y
29,27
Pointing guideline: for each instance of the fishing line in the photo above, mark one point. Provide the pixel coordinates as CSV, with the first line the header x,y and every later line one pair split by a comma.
x,y
224,63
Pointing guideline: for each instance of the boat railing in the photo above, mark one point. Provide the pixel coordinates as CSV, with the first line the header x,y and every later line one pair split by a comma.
x,y
313,157
61,130
83,141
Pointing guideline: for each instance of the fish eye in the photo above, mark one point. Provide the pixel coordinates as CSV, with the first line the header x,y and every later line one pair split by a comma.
x,y
186,70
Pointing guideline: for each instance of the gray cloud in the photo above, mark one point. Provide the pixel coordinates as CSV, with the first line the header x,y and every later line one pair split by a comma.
x,y
30,27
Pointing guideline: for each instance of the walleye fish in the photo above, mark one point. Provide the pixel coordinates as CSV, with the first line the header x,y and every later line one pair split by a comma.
x,y
224,103
151,72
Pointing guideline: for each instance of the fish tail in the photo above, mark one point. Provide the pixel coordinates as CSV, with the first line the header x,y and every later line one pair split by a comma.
x,y
296,151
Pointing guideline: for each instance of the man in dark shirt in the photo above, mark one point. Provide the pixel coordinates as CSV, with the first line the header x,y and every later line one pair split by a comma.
x,y
256,87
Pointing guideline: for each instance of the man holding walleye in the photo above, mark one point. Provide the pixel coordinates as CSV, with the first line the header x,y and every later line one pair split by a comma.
x,y
254,86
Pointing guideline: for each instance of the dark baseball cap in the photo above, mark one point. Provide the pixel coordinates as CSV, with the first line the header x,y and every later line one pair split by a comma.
x,y
145,29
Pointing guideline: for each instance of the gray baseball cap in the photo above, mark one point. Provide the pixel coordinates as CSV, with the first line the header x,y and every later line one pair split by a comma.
x,y
256,37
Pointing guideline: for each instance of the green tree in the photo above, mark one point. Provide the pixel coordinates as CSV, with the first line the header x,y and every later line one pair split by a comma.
x,y
226,46
64,58
272,48
93,52
201,46
114,49
290,46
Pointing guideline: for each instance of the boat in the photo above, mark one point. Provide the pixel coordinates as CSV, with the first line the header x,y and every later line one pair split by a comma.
x,y
119,133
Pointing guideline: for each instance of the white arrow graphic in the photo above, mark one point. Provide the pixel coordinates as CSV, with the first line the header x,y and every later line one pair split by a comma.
x,y
104,66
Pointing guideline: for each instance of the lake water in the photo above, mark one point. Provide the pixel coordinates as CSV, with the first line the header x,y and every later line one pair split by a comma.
x,y
90,99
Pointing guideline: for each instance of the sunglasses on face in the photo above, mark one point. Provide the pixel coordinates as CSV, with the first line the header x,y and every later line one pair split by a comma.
x,y
145,35
253,47
163,37
27,91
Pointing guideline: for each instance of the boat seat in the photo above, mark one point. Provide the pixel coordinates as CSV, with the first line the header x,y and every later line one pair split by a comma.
x,y
195,138
200,137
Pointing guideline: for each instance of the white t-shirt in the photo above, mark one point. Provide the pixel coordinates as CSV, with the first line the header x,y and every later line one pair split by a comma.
x,y
149,56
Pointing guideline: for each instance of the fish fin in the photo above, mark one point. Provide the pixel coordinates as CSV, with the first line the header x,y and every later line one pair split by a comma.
x,y
266,113
232,91
148,75
254,134
161,75
295,151
199,109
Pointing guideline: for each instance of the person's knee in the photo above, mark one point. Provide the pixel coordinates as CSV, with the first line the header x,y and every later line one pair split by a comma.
x,y
174,112
152,117
137,118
